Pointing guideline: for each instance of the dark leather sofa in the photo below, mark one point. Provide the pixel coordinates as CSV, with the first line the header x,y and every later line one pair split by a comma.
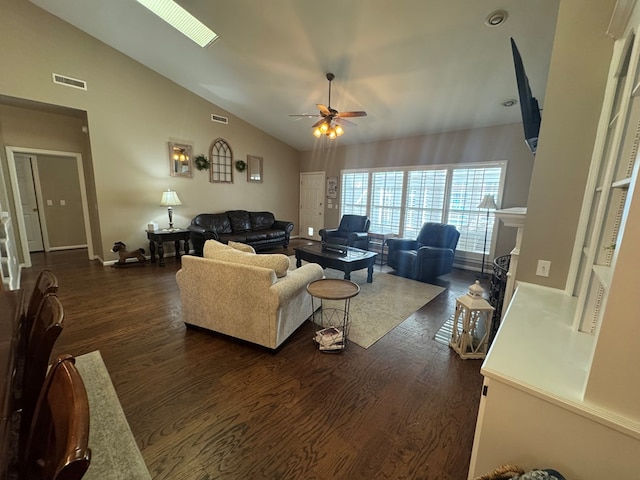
x,y
259,229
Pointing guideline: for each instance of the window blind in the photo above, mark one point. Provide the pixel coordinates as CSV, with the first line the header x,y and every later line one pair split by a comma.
x,y
386,201
401,200
425,199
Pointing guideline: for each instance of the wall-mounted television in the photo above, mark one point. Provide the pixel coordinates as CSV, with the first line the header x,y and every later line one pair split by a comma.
x,y
528,104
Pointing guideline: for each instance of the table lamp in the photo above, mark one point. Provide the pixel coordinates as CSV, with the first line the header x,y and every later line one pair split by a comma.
x,y
169,199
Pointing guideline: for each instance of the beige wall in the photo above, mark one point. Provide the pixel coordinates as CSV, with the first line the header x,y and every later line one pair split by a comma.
x,y
575,89
132,113
32,127
500,143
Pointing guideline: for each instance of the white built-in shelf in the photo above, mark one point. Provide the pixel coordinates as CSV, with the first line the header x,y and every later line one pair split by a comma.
x,y
604,274
614,119
624,183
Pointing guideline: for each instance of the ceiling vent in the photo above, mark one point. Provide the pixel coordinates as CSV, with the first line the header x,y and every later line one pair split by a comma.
x,y
219,119
69,82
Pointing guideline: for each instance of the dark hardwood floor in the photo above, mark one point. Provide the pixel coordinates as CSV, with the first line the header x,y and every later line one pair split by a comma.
x,y
203,406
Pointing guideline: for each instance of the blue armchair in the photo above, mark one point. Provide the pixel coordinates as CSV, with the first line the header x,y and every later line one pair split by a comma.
x,y
353,231
427,257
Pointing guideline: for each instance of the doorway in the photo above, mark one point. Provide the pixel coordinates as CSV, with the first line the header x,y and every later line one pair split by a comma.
x,y
67,216
26,174
311,204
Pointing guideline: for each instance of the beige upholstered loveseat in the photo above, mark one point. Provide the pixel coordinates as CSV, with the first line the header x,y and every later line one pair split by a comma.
x,y
245,295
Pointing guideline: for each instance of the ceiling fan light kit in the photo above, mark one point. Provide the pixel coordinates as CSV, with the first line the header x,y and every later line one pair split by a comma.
x,y
330,130
331,123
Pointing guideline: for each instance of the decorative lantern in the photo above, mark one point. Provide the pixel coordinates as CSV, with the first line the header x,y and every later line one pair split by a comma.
x,y
472,324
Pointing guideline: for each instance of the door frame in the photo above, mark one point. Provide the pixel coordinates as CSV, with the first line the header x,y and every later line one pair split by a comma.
x,y
13,178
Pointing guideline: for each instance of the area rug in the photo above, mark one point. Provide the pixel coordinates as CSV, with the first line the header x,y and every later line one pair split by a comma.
x,y
114,452
382,305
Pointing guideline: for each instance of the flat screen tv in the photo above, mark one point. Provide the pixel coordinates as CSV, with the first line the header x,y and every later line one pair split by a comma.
x,y
528,104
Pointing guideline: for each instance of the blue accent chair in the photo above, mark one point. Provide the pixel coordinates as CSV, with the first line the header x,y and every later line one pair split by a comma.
x,y
353,231
427,257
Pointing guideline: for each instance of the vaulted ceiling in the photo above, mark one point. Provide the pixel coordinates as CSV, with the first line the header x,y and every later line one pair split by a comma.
x,y
415,66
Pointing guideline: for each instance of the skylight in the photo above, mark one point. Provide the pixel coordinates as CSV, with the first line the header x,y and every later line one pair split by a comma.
x,y
181,20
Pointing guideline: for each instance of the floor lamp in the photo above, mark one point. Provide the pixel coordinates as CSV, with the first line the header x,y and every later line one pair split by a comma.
x,y
487,203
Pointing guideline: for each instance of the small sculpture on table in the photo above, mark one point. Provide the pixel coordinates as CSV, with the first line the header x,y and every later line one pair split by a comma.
x,y
121,249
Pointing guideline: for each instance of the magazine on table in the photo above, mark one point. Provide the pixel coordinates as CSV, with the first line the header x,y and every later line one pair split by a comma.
x,y
330,338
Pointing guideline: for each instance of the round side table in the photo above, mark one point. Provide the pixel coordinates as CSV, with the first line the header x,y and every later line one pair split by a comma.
x,y
332,323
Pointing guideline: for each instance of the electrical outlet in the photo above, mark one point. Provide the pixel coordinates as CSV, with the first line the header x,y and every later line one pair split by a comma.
x,y
543,268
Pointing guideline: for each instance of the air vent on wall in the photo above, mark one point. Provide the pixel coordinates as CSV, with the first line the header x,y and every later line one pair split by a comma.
x,y
219,119
69,82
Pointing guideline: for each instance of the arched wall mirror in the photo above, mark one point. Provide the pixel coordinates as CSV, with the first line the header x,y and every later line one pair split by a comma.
x,y
220,158
254,169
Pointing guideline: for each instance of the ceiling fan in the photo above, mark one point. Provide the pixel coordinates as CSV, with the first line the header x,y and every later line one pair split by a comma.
x,y
332,120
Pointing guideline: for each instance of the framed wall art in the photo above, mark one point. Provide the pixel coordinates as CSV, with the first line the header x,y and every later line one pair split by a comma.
x,y
180,160
332,187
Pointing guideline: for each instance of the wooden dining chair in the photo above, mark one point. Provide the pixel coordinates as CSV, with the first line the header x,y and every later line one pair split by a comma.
x,y
45,283
47,325
57,446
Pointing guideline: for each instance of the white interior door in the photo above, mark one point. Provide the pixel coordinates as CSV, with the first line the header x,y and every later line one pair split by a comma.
x,y
311,204
28,199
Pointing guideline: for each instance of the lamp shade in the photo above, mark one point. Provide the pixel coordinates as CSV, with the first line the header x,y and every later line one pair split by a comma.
x,y
488,202
170,198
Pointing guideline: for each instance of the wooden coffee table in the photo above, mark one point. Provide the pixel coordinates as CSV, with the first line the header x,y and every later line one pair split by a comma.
x,y
354,259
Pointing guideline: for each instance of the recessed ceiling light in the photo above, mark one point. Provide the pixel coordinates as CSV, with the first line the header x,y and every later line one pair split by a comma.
x,y
496,18
509,102
181,20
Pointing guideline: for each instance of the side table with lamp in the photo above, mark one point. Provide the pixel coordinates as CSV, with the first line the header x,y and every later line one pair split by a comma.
x,y
158,237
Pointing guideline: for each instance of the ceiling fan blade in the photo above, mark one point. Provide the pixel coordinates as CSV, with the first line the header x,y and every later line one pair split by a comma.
x,y
318,123
323,109
342,121
351,114
304,115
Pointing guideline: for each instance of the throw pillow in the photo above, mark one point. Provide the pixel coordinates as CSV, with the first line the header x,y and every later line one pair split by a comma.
x,y
243,247
277,262
211,247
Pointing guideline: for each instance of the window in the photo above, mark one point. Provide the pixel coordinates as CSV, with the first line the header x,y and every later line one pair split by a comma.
x,y
425,199
355,193
468,186
386,201
401,200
